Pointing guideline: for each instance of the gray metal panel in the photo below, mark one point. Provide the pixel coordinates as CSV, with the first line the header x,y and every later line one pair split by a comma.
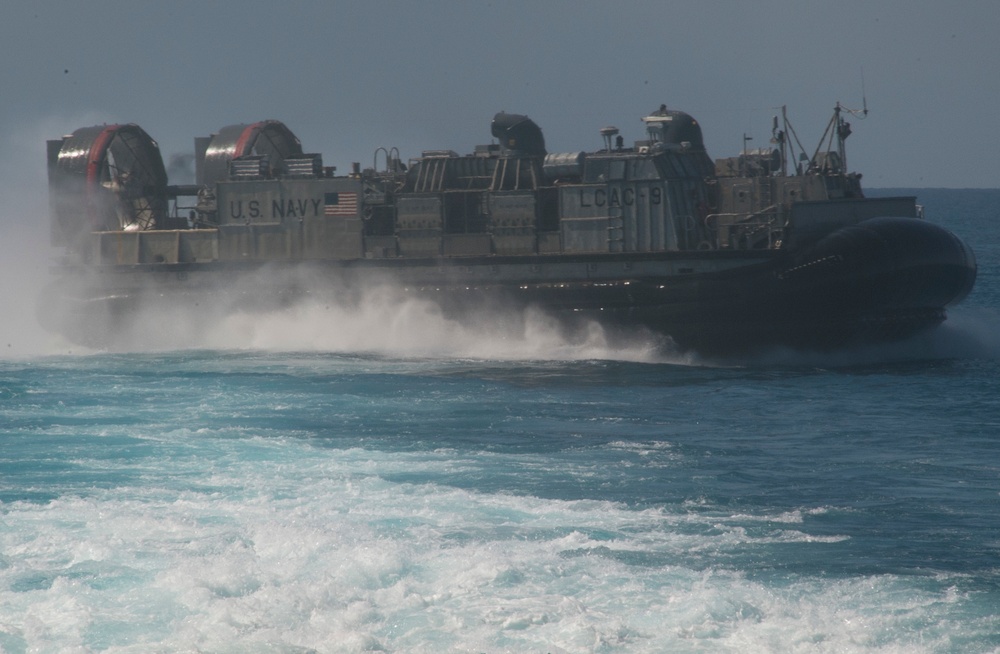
x,y
286,200
159,247
198,245
684,232
290,218
526,244
324,237
467,244
585,234
512,212
419,223
583,218
380,247
117,247
236,243
271,241
647,220
257,242
549,242
634,217
414,245
513,219
419,212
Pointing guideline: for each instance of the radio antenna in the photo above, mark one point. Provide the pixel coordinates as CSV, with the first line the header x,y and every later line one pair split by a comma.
x,y
864,96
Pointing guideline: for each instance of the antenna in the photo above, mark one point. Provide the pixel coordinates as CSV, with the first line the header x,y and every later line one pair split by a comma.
x,y
864,96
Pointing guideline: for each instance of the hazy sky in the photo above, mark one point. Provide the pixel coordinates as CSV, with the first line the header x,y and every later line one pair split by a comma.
x,y
348,77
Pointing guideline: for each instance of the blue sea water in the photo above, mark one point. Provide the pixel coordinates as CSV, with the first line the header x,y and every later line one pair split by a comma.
x,y
391,481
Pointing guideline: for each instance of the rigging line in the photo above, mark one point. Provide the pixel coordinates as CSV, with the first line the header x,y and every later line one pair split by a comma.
x,y
791,130
862,113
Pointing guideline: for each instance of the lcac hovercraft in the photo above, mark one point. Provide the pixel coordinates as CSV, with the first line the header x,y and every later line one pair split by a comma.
x,y
761,249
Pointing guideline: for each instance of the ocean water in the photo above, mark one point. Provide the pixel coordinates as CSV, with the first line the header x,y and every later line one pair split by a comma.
x,y
389,481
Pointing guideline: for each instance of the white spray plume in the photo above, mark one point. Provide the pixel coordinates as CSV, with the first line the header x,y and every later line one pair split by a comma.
x,y
376,318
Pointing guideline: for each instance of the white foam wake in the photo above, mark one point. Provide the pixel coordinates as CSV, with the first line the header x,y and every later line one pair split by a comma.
x,y
271,545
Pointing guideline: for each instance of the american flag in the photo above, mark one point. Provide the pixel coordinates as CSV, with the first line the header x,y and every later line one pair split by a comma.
x,y
340,204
